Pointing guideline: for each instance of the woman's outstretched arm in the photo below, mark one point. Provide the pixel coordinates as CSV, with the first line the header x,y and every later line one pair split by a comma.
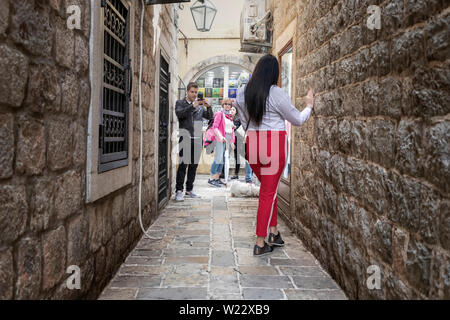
x,y
289,112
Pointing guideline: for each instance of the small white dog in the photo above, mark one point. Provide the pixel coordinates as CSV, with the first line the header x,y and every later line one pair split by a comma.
x,y
242,190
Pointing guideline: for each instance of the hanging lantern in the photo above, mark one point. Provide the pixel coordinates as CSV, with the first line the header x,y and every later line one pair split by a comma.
x,y
203,13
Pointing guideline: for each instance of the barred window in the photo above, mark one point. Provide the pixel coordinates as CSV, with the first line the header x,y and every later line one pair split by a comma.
x,y
116,87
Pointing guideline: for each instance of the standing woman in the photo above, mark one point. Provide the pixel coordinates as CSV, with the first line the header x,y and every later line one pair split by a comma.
x,y
263,109
224,135
237,124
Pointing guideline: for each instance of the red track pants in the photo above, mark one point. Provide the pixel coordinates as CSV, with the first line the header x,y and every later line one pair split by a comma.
x,y
267,155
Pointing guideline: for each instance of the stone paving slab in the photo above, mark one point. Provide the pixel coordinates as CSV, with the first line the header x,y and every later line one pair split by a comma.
x,y
258,270
293,262
221,246
224,284
191,269
225,296
119,294
146,261
185,280
303,271
148,253
206,252
314,282
188,245
263,294
173,294
276,253
144,270
294,294
186,252
222,258
253,261
192,238
265,281
136,281
222,271
186,260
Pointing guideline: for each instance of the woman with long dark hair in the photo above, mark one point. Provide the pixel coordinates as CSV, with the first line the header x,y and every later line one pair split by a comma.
x,y
263,109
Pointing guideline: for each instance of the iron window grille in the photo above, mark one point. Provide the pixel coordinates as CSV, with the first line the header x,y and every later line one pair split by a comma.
x,y
117,86
163,181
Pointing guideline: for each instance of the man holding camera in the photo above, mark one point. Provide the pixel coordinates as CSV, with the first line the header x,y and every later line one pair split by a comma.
x,y
190,112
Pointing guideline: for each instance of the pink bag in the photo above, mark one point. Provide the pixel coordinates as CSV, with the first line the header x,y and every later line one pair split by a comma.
x,y
209,136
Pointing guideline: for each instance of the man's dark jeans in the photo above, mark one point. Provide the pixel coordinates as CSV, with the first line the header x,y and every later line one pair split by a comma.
x,y
191,166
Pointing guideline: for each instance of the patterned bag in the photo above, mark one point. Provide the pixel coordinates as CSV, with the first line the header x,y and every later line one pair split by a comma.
x,y
210,138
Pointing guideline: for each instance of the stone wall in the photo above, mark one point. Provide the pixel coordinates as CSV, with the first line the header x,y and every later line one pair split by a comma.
x,y
371,168
45,224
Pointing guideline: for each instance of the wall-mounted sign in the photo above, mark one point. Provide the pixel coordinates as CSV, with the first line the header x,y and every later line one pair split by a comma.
x,y
216,83
231,93
216,93
232,83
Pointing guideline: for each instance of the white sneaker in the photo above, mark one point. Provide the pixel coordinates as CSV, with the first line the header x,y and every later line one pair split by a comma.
x,y
179,196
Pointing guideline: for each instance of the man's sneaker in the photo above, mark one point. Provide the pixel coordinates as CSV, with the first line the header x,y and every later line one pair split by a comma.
x,y
179,196
213,183
234,177
220,182
190,194
259,251
276,240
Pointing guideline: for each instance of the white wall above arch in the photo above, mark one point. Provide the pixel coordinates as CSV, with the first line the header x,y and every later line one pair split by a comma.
x,y
216,61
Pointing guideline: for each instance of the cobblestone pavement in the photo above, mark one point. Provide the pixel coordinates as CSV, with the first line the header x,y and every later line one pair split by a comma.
x,y
206,252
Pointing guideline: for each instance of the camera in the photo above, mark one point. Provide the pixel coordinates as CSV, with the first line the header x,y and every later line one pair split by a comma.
x,y
200,97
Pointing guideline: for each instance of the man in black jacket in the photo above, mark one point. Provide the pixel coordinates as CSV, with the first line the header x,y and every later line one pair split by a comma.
x,y
190,112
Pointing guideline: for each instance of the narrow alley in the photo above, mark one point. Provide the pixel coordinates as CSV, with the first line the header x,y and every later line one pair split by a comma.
x,y
205,252
97,96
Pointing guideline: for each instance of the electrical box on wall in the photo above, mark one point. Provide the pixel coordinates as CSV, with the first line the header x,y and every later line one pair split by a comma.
x,y
256,27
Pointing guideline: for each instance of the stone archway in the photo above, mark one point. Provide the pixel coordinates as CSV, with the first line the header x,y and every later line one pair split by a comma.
x,y
206,65
212,62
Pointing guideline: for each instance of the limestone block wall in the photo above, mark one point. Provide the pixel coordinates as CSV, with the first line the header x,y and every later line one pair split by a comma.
x,y
371,168
45,223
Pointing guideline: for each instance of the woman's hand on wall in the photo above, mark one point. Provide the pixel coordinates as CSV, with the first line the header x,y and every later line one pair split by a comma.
x,y
310,98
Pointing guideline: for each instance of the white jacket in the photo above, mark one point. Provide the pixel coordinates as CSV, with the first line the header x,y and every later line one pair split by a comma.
x,y
278,109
